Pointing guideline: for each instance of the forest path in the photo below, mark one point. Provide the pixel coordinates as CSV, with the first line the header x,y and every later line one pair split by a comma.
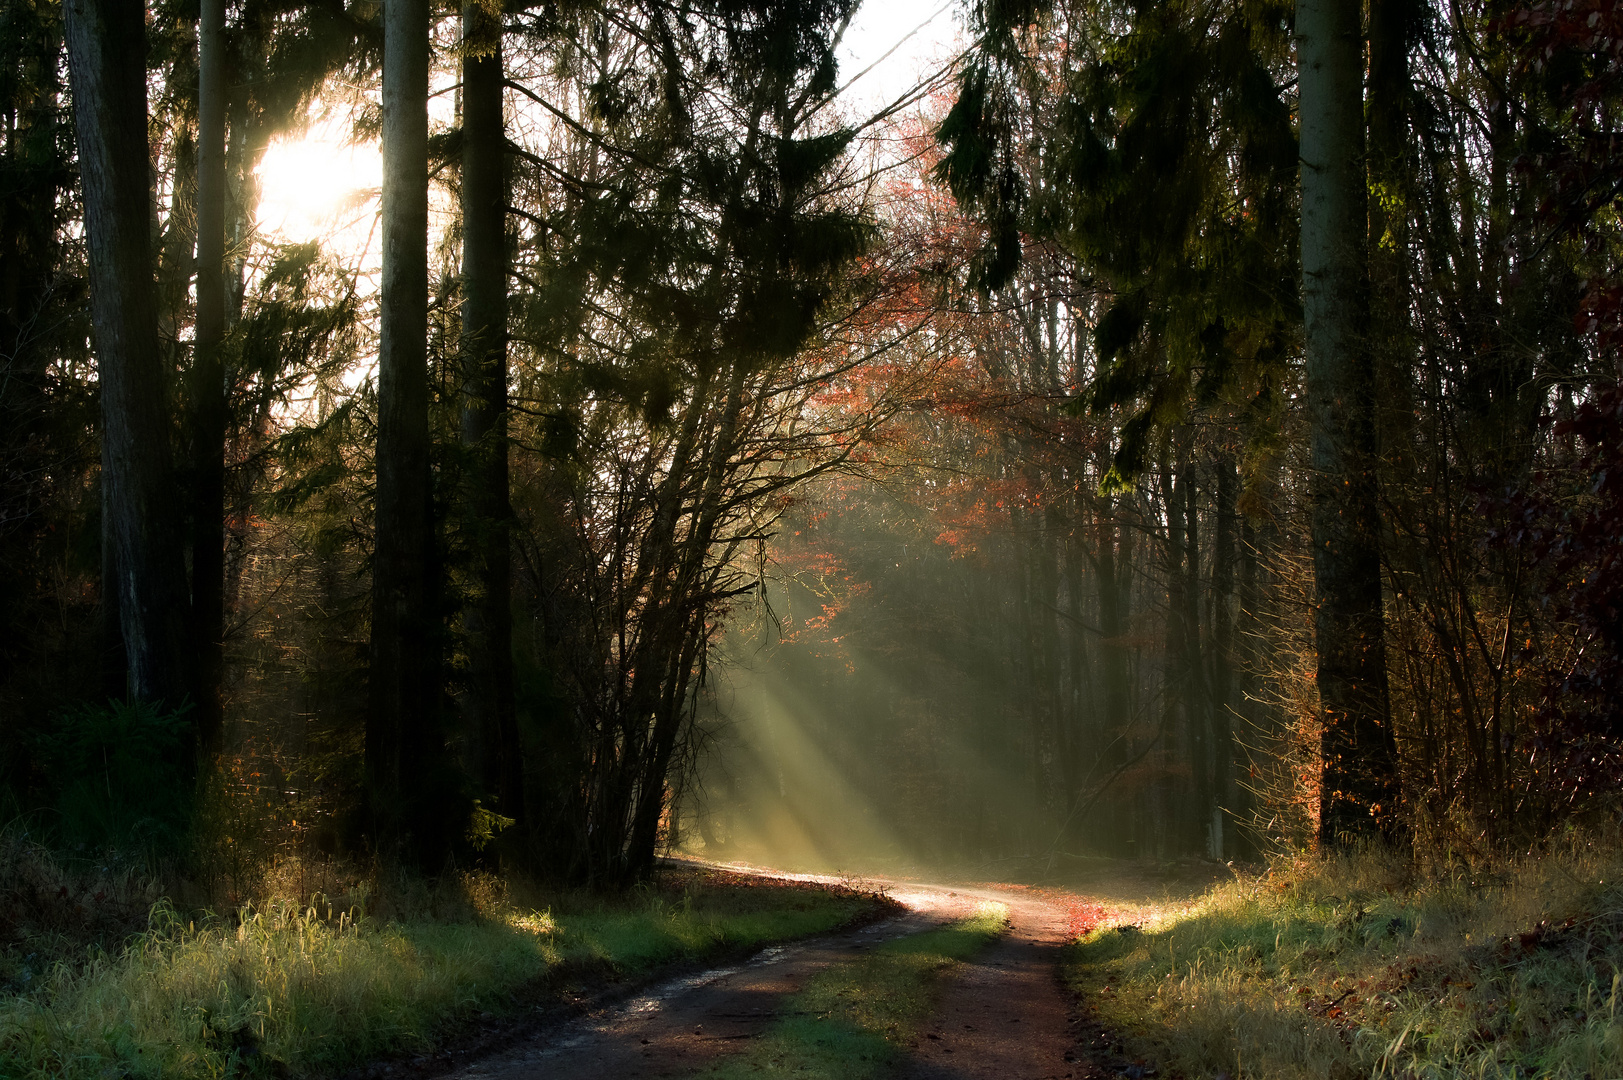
x,y
1005,1015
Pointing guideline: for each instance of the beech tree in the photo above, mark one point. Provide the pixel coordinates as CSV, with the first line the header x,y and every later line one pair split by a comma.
x,y
690,244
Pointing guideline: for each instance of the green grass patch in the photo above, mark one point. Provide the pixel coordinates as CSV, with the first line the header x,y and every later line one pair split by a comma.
x,y
1374,967
303,990
850,1021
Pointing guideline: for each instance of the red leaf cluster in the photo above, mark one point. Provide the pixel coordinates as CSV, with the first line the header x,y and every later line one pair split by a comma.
x,y
1084,918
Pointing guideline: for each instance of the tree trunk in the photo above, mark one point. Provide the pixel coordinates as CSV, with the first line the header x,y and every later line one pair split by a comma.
x,y
403,685
208,378
1114,569
487,700
1358,795
107,69
1187,698
1221,662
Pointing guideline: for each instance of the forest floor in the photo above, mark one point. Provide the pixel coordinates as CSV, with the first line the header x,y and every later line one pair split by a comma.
x,y
1311,968
1372,964
280,988
988,1007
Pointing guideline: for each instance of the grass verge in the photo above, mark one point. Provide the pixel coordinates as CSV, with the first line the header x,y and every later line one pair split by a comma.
x,y
851,1020
300,990
1370,966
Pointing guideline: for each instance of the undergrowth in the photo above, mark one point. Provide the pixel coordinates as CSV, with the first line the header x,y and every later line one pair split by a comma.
x,y
288,988
850,1021
1375,966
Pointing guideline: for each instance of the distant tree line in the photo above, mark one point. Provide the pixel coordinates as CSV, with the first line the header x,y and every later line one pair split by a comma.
x,y
1277,468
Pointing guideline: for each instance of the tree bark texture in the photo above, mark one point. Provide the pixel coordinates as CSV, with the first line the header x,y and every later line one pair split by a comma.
x,y
487,700
107,71
208,378
400,734
1358,795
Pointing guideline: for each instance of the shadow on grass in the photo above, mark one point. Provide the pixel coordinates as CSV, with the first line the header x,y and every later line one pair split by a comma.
x,y
303,988
851,1021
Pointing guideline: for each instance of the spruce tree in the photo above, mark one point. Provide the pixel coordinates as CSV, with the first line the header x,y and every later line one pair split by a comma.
x,y
107,72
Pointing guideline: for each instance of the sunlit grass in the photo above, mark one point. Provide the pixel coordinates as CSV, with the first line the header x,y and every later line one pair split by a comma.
x,y
1368,967
850,1021
292,990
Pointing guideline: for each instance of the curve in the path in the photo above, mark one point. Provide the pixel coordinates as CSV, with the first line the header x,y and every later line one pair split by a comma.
x,y
1005,1017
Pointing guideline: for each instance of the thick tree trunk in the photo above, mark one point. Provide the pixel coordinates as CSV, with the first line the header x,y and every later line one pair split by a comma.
x,y
208,378
1358,795
487,700
114,670
107,70
400,732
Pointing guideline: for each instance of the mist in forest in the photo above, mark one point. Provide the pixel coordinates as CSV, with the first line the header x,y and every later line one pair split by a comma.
x,y
724,462
886,776
886,708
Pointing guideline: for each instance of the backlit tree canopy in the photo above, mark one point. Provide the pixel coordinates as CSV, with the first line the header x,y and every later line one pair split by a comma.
x,y
1172,428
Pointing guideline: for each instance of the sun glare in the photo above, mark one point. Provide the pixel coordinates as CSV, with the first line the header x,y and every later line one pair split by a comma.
x,y
318,185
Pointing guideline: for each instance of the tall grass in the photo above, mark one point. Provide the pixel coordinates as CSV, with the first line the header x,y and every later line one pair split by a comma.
x,y
305,988
1374,966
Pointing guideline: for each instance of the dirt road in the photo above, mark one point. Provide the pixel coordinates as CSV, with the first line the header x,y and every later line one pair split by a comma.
x,y
1005,1016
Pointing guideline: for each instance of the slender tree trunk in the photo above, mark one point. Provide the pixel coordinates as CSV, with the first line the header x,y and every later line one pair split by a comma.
x,y
1249,660
1184,663
643,840
176,242
1197,702
1222,657
107,69
403,686
1358,795
1169,811
208,378
487,701
1084,725
1114,569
